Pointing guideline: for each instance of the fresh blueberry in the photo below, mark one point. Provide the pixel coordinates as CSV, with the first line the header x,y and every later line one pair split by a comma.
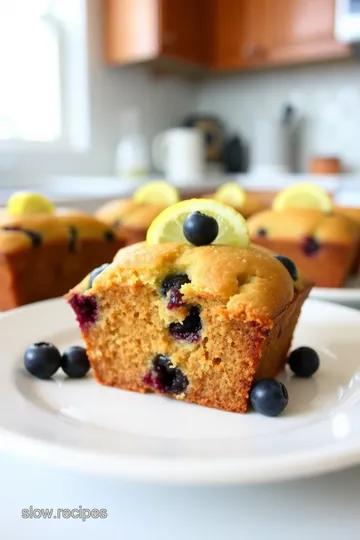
x,y
289,265
75,362
200,229
165,377
304,362
173,281
310,246
42,360
269,397
189,330
96,272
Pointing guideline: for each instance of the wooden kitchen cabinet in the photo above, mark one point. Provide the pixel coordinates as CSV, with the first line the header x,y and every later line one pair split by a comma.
x,y
186,29
241,33
254,33
303,30
142,30
221,34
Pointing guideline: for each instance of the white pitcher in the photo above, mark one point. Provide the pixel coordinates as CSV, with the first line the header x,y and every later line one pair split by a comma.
x,y
179,153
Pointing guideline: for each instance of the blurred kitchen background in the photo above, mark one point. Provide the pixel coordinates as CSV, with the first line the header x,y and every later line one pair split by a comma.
x,y
267,91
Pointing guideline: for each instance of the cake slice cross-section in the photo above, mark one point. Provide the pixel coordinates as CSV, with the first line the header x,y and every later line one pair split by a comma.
x,y
200,324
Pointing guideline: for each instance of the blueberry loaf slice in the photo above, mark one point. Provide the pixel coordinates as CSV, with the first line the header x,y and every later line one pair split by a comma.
x,y
196,322
43,255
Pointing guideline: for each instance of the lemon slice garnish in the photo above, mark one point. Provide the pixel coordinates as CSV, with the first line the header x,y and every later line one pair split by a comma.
x,y
304,195
231,194
157,192
168,226
24,203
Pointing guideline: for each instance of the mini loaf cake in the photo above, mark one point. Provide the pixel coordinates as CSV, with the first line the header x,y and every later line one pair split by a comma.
x,y
42,255
324,246
131,218
197,322
252,204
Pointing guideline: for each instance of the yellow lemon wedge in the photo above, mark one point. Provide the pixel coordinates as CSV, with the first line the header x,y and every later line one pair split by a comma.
x,y
168,226
24,203
232,194
156,192
305,195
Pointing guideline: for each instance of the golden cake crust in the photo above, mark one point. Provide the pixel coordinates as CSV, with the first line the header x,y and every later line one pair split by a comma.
x,y
128,213
298,223
57,228
249,283
251,206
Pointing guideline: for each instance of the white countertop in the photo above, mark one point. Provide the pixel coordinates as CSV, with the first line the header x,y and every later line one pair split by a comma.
x,y
320,508
74,188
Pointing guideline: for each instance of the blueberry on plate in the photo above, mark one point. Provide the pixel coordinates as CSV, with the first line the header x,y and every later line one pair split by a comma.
x,y
75,362
269,397
96,272
42,360
200,229
304,362
289,265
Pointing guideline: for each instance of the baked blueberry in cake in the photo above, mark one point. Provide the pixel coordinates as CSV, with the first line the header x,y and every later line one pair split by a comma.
x,y
200,323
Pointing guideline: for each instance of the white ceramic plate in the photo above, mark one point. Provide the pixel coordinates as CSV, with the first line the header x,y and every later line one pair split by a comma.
x,y
349,295
80,424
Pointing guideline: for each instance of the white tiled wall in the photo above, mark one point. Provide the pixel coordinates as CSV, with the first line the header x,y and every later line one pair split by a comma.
x,y
327,98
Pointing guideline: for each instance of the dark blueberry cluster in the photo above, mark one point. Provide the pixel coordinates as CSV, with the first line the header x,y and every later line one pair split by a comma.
x,y
43,360
85,308
174,281
190,329
170,288
34,236
165,377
